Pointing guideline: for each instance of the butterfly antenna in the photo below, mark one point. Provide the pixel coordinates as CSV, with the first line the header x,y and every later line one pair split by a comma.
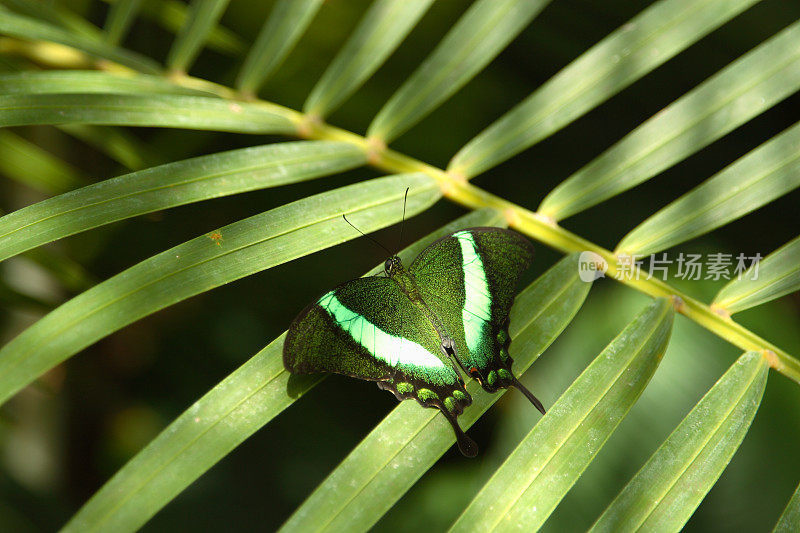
x,y
403,220
528,394
367,236
466,445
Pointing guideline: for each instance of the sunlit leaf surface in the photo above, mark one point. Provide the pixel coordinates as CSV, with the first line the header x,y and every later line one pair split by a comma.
x,y
761,176
384,25
173,184
481,33
666,491
203,16
638,47
165,111
284,27
789,521
741,91
29,28
88,81
549,460
776,275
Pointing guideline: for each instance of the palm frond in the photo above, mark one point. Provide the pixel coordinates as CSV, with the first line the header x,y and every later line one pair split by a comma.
x,y
114,88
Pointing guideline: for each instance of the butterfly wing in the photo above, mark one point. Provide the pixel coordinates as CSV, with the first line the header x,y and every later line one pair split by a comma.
x,y
369,329
469,280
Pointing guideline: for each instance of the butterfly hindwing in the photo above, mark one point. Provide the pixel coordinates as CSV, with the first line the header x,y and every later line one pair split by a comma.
x,y
369,329
469,280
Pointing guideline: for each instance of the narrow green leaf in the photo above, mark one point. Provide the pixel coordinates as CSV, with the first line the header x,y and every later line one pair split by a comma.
x,y
776,275
281,31
55,14
218,422
482,33
384,26
173,184
650,39
761,176
550,459
789,522
203,16
28,28
666,491
742,90
172,16
157,110
26,163
227,254
121,17
88,82
410,439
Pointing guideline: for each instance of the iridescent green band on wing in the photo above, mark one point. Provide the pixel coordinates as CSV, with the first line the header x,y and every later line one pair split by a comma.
x,y
390,349
477,310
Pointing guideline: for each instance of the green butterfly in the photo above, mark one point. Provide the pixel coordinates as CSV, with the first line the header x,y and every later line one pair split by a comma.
x,y
417,329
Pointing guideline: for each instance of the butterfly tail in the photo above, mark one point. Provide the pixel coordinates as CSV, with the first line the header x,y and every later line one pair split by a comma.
x,y
466,445
528,394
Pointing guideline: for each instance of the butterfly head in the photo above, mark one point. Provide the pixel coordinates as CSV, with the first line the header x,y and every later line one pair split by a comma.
x,y
391,265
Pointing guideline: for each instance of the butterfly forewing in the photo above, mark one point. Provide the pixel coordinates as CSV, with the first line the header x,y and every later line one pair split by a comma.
x,y
369,329
469,280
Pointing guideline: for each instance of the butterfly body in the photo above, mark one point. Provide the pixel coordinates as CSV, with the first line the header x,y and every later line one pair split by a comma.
x,y
418,330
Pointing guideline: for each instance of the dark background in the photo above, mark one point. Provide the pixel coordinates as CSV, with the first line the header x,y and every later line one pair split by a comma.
x,y
62,438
